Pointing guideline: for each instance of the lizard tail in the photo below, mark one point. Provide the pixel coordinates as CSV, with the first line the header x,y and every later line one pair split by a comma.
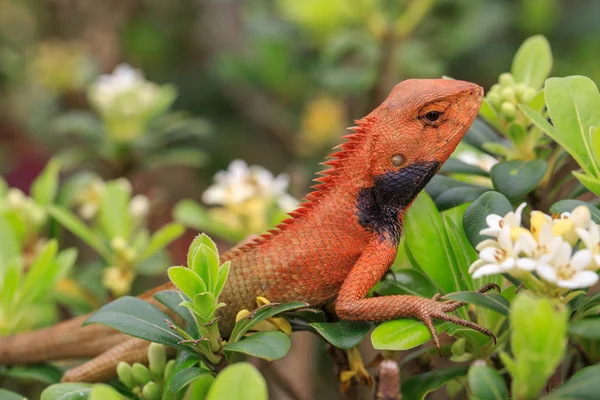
x,y
66,340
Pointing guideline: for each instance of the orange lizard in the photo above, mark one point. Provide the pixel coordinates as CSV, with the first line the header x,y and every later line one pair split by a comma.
x,y
335,246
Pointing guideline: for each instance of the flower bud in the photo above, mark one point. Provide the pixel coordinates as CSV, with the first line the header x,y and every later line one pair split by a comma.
x,y
141,373
509,110
157,359
125,374
118,243
15,197
506,79
520,89
508,94
139,206
528,95
168,369
151,391
494,98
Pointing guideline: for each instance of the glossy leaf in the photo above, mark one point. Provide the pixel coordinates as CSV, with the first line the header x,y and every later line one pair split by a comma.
x,y
8,395
515,179
408,281
587,328
37,276
9,245
342,334
79,229
480,133
104,392
458,195
418,386
485,383
490,301
456,166
271,345
67,391
440,184
205,263
45,373
463,251
569,205
161,239
204,305
584,385
590,182
172,300
428,243
574,106
532,62
239,381
403,334
475,215
45,186
136,318
184,377
198,388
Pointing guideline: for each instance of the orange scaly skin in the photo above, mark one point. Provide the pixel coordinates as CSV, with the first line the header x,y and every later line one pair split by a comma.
x,y
343,239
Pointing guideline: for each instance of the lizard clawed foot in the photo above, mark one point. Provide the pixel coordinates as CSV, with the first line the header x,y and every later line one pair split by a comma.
x,y
434,309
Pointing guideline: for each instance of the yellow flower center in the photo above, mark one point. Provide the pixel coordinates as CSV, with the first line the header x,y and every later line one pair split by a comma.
x,y
565,272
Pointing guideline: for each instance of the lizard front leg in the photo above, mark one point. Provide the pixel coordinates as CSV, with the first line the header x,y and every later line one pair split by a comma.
x,y
353,305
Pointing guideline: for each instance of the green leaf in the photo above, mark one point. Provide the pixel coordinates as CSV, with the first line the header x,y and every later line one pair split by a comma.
x,y
474,217
490,301
8,395
515,179
193,215
185,359
428,243
342,334
204,305
79,229
45,373
45,186
418,386
40,274
440,184
187,281
574,106
137,318
595,141
198,389
206,264
481,133
408,281
458,195
539,121
239,381
485,383
104,392
587,328
114,218
463,251
172,300
9,245
271,345
538,342
201,239
584,385
260,314
161,239
590,182
10,283
533,61
221,278
67,391
569,205
456,166
403,334
184,377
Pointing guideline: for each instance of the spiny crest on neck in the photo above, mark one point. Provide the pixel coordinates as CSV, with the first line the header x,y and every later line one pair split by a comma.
x,y
324,181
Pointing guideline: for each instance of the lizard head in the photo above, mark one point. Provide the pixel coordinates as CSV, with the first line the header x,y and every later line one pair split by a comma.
x,y
412,133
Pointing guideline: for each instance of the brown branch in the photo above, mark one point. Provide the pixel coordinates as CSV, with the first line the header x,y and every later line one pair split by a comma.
x,y
388,387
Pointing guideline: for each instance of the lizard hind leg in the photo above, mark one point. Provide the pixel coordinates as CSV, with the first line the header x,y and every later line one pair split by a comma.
x,y
352,303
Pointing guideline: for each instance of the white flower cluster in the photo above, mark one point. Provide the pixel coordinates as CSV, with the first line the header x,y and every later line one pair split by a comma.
x,y
547,249
241,183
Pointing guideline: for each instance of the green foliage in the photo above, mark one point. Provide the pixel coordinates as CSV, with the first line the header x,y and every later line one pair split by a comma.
x,y
343,334
403,334
485,383
538,342
239,381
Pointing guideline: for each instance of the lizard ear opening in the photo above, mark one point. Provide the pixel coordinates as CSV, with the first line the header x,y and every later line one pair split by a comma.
x,y
398,160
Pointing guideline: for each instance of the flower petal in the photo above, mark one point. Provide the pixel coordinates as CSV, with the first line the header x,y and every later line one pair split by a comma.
x,y
581,279
581,259
476,264
487,243
493,220
488,269
526,264
489,254
547,272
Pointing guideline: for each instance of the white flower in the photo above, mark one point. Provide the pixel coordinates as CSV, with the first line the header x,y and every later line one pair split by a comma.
x,y
498,257
542,250
241,183
139,206
497,223
591,239
568,272
568,223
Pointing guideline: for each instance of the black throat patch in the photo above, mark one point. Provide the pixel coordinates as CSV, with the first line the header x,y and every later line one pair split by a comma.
x,y
378,207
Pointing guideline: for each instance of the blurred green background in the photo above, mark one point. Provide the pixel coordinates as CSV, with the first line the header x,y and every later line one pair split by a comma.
x,y
274,81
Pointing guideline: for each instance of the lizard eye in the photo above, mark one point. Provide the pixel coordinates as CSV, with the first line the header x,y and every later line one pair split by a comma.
x,y
398,160
432,116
